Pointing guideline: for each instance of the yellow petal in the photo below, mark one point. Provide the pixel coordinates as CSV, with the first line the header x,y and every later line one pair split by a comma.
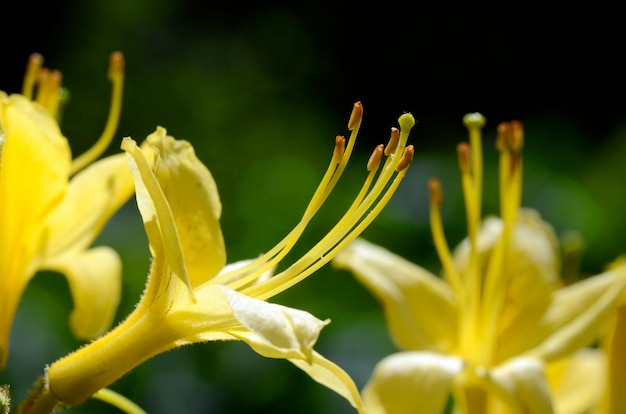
x,y
577,382
578,314
521,386
94,278
411,382
331,376
420,308
93,196
34,168
613,344
272,330
192,195
156,214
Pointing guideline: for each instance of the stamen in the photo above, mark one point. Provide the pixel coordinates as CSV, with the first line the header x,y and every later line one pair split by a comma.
x,y
463,153
356,116
393,141
54,95
469,193
439,239
360,214
268,260
35,61
377,156
340,148
118,401
116,76
471,163
509,143
474,122
407,158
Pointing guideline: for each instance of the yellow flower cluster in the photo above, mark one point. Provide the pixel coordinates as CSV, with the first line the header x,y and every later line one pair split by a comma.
x,y
497,332
51,214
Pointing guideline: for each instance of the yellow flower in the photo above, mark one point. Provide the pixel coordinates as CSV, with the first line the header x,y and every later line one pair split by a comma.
x,y
193,296
49,212
486,331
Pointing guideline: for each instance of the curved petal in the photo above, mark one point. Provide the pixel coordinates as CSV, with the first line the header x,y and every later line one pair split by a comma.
x,y
94,277
579,313
577,382
411,382
420,308
331,376
521,385
34,167
157,217
92,197
272,330
192,195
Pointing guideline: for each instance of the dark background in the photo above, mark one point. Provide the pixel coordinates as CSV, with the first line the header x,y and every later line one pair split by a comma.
x,y
262,90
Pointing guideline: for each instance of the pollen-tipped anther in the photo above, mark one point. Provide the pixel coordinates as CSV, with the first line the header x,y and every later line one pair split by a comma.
x,y
377,155
463,152
434,191
116,65
35,61
516,136
356,116
407,157
394,138
340,148
501,139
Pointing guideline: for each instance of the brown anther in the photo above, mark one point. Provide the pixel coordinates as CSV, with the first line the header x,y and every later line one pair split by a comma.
x,y
355,116
393,141
463,152
407,157
517,136
35,60
340,147
55,78
434,191
377,155
116,64
504,130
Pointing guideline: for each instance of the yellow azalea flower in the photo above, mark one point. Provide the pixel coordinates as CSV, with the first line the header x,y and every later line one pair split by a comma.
x,y
486,331
193,296
50,212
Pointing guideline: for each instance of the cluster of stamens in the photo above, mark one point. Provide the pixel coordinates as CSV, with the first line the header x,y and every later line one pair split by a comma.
x,y
480,287
380,183
44,86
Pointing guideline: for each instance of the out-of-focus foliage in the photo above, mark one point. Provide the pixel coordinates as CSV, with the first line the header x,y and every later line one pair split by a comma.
x,y
261,91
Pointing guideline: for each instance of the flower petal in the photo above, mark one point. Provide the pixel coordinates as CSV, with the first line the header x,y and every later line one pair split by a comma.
x,y
577,382
410,382
34,168
332,376
578,314
522,386
614,344
272,330
192,195
93,196
94,277
157,216
420,307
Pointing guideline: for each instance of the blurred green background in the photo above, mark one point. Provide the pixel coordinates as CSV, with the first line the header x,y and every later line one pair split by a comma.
x,y
261,91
